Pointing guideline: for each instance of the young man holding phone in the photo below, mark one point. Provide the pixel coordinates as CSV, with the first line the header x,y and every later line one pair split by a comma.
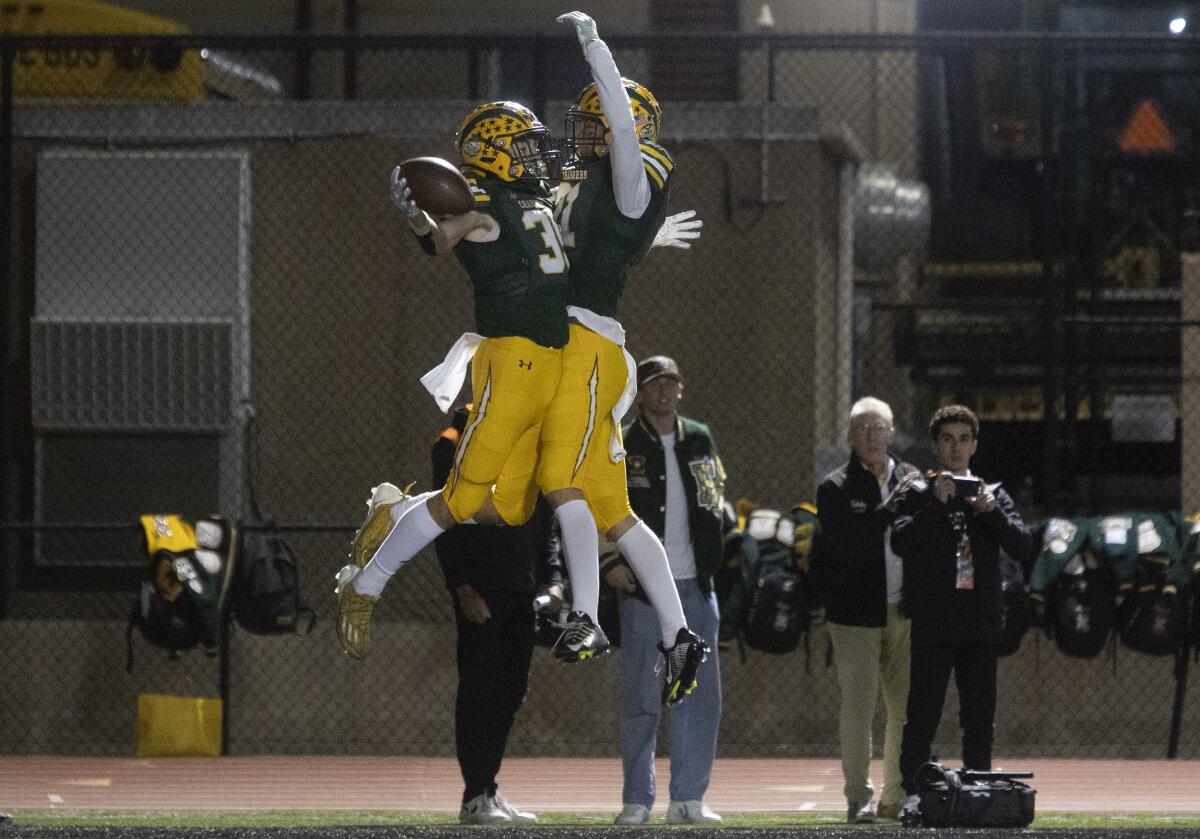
x,y
949,529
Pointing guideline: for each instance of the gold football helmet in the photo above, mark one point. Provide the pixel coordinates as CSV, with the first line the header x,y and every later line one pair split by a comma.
x,y
587,131
509,141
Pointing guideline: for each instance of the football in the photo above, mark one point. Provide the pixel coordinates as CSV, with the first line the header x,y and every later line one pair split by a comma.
x,y
437,186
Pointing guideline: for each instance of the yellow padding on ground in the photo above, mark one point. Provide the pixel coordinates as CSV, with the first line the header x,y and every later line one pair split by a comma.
x,y
178,726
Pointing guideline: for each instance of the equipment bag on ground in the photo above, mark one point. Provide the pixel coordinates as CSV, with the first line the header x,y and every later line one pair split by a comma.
x,y
964,798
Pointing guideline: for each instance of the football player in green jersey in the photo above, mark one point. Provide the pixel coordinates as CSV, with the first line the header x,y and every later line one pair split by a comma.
x,y
608,218
510,247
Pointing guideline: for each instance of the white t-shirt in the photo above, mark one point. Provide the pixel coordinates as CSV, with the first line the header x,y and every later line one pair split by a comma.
x,y
677,538
892,563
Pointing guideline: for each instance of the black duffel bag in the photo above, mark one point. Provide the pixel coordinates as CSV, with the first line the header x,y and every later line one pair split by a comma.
x,y
966,798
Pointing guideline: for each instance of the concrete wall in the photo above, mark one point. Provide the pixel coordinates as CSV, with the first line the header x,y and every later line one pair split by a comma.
x,y
348,312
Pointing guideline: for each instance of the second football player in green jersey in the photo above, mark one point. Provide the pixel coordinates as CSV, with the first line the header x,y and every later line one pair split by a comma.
x,y
601,241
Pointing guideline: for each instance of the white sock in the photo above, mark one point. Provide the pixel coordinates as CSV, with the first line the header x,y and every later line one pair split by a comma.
x,y
648,559
415,530
581,548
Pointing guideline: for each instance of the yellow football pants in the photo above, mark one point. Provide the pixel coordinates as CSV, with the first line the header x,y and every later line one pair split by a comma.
x,y
572,447
513,381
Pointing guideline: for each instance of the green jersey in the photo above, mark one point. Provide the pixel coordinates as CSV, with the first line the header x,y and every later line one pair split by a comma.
x,y
602,243
520,278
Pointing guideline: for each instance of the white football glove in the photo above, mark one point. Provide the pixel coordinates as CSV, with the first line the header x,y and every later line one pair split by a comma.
x,y
585,27
402,195
676,230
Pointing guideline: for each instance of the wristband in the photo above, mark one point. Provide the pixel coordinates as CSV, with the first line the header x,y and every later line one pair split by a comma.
x,y
426,240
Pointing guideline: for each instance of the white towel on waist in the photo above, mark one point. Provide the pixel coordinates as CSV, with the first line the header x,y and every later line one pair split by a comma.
x,y
446,380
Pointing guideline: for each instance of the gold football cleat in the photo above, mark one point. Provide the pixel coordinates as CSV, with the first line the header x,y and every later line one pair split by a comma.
x,y
354,615
378,524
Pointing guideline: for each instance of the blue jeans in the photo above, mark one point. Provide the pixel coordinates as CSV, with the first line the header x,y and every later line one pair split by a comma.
x,y
694,721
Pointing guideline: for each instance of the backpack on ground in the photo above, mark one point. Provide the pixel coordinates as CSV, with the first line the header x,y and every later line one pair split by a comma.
x,y
181,603
965,798
763,587
266,593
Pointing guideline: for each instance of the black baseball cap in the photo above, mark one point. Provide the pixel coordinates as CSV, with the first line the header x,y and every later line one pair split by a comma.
x,y
656,366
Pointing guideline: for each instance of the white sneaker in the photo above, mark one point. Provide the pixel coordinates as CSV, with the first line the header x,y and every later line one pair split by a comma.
x,y
690,812
511,811
860,814
633,814
482,810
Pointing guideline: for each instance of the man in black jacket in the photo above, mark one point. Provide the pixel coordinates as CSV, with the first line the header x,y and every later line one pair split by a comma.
x,y
859,579
493,574
949,529
676,486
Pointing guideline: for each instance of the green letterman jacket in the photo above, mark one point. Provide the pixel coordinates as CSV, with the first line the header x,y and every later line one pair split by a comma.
x,y
703,482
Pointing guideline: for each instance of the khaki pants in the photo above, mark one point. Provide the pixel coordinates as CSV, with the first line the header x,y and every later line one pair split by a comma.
x,y
868,658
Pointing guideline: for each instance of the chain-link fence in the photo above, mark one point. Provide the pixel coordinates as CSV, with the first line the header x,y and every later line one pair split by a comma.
x,y
198,234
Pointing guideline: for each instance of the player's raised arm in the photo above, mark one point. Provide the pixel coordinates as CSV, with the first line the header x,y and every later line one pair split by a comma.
x,y
631,185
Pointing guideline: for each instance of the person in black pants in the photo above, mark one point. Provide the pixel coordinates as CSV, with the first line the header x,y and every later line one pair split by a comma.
x,y
493,574
949,529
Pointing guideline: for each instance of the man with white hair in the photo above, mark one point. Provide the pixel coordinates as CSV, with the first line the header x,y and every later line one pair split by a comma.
x,y
858,581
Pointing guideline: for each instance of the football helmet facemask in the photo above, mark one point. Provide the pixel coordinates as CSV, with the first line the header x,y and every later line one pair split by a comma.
x,y
507,139
587,132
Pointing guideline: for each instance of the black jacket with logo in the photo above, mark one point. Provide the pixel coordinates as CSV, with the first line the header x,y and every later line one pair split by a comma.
x,y
703,483
924,536
849,568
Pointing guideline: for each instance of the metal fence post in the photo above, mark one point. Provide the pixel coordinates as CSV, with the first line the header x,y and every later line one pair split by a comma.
x,y
304,20
1051,289
350,55
1181,679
